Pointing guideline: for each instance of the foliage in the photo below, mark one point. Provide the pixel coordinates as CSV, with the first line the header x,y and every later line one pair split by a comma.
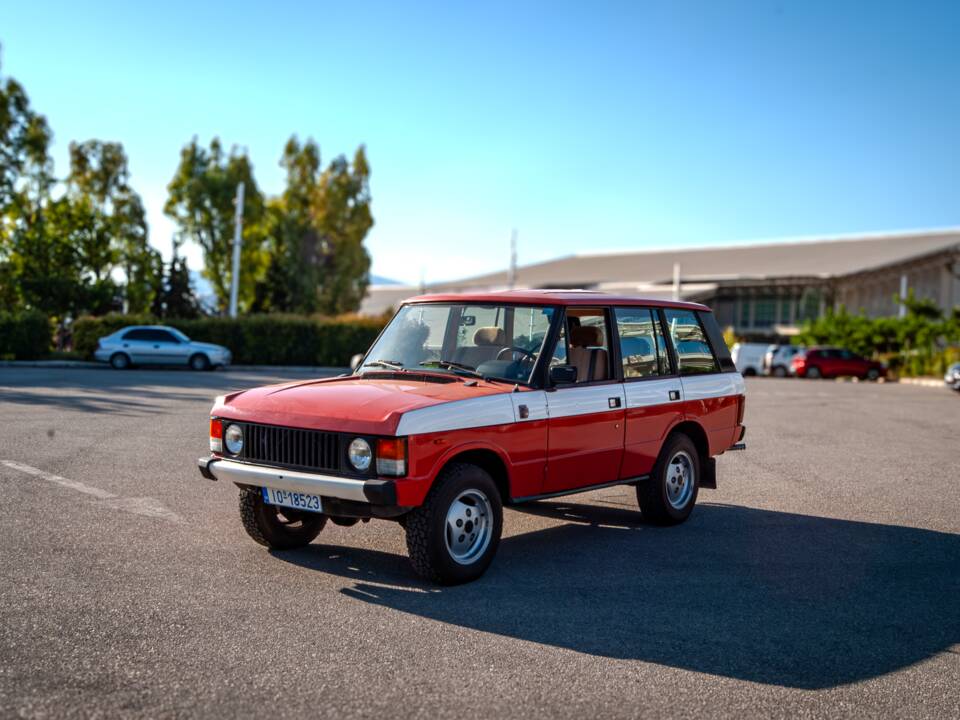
x,y
202,203
256,339
24,335
315,232
919,343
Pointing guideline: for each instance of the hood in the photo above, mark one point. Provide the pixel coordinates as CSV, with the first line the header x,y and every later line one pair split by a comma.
x,y
370,405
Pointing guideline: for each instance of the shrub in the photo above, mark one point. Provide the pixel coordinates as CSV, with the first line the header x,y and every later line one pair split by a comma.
x,y
256,339
24,335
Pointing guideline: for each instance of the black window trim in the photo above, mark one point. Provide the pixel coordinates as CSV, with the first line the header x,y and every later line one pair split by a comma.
x,y
613,353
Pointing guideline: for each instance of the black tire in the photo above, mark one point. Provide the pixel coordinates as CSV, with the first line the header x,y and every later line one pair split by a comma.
x,y
428,542
659,499
872,374
749,372
120,361
813,373
275,527
780,371
199,362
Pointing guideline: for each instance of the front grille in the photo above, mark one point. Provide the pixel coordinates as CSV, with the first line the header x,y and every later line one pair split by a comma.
x,y
291,447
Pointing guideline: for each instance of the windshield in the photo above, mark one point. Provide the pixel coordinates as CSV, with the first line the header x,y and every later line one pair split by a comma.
x,y
494,341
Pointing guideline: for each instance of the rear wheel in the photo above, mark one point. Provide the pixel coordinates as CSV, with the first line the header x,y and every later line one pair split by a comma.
x,y
667,497
200,362
276,527
119,361
779,371
813,373
454,535
872,374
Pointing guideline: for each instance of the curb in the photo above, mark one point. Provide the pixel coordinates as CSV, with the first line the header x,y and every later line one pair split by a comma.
x,y
923,382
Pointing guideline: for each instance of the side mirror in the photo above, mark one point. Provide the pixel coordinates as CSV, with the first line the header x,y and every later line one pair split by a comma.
x,y
355,361
563,374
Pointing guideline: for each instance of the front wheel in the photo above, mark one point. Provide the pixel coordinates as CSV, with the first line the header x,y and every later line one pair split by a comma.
x,y
278,528
667,497
813,373
872,374
779,371
454,535
119,361
200,362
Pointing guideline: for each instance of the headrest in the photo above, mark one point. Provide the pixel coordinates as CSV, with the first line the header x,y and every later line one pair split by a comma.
x,y
586,336
488,336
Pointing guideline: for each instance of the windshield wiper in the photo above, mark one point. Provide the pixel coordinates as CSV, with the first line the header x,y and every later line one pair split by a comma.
x,y
389,364
450,365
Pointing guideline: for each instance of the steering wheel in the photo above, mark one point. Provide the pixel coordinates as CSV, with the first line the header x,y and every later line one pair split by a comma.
x,y
528,355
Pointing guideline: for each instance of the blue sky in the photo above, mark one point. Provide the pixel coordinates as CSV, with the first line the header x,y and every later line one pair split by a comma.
x,y
586,126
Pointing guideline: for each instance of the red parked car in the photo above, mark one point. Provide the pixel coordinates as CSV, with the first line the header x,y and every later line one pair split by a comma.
x,y
466,403
829,362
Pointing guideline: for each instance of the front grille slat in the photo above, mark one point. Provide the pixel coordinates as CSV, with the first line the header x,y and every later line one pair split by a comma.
x,y
291,447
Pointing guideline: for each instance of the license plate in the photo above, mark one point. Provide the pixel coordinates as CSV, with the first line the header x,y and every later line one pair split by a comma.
x,y
291,499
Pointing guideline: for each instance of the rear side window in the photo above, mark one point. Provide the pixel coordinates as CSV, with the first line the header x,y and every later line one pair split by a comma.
x,y
690,341
720,350
643,350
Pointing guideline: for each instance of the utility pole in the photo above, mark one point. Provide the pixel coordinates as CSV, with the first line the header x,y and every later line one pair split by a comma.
x,y
902,312
237,243
676,281
512,272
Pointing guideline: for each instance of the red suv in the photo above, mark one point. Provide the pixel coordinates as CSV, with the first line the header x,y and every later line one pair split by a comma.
x,y
466,403
828,362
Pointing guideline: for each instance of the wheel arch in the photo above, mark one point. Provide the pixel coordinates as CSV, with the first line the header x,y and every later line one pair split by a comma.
x,y
696,433
491,460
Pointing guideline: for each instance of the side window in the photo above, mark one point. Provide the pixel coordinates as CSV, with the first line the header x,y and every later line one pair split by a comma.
x,y
559,356
720,350
690,341
642,347
136,335
587,346
164,337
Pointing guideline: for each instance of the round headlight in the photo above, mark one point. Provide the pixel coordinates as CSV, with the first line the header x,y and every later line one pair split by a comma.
x,y
233,439
360,454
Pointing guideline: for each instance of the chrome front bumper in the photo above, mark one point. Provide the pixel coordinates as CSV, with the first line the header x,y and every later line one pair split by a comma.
x,y
376,492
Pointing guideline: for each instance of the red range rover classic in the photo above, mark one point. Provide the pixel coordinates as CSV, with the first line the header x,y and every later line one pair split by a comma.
x,y
466,403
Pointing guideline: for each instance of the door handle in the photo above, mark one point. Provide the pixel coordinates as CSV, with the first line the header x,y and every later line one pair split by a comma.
x,y
674,395
613,402
156,347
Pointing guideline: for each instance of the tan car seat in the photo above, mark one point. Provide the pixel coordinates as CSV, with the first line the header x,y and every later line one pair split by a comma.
x,y
586,355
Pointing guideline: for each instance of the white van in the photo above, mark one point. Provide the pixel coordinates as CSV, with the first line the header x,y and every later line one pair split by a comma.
x,y
748,357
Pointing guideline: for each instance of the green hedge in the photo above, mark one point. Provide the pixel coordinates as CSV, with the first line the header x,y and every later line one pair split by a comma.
x,y
24,335
255,339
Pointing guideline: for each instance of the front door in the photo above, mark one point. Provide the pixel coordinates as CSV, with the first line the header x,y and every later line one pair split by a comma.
x,y
586,418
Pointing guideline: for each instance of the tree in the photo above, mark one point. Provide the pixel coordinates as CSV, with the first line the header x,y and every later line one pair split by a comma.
x,y
175,298
342,216
99,182
316,230
201,202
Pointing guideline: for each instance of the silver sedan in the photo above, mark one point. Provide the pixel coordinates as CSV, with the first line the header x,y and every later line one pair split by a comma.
x,y
158,345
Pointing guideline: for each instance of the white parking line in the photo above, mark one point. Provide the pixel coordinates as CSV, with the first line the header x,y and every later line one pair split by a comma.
x,y
147,506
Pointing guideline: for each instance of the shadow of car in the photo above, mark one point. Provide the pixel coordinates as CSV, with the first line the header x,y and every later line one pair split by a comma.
x,y
769,597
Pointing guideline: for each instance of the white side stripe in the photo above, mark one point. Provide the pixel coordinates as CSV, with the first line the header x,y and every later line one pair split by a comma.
x,y
564,402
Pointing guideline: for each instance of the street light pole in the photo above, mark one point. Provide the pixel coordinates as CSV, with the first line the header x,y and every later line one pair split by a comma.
x,y
237,243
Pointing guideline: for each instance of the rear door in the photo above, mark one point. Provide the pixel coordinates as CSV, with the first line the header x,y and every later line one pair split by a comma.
x,y
585,426
135,344
712,388
651,386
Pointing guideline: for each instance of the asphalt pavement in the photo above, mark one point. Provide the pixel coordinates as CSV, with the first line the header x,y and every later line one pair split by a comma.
x,y
821,579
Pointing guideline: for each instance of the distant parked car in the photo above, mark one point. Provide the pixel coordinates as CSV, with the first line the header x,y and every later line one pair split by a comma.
x,y
952,377
158,345
828,362
748,357
778,360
